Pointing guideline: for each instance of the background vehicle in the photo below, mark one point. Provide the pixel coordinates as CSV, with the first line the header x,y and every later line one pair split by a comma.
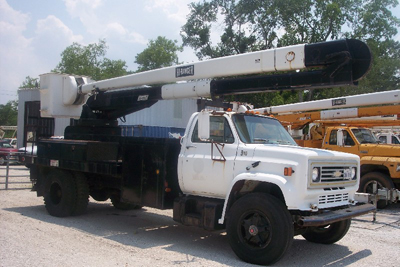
x,y
388,138
231,169
7,152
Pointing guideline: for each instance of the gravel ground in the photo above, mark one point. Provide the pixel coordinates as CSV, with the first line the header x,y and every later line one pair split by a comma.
x,y
149,237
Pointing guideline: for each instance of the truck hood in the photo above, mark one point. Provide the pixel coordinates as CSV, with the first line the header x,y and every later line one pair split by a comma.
x,y
296,152
381,150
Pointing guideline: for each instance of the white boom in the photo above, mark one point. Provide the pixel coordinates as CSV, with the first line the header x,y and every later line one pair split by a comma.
x,y
326,64
380,98
279,59
62,95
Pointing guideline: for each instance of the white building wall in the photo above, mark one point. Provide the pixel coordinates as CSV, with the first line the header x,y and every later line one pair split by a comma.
x,y
165,113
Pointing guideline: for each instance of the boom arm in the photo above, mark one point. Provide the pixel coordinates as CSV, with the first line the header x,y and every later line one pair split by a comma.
x,y
299,115
327,64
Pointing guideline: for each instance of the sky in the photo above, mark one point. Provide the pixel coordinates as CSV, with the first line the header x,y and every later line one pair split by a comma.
x,y
33,33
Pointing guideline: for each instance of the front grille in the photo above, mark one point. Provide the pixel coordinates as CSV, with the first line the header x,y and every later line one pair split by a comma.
x,y
333,198
333,174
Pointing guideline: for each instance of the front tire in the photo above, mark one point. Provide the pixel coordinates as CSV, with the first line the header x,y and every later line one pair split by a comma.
x,y
259,228
328,234
382,180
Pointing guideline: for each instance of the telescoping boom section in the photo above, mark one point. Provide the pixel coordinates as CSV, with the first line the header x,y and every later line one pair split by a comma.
x,y
326,64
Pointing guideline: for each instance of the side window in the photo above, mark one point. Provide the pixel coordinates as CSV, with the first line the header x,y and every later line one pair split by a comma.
x,y
220,131
348,141
333,137
382,139
394,140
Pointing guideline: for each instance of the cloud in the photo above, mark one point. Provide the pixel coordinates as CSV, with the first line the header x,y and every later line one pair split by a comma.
x,y
53,27
85,10
79,7
15,50
115,28
21,56
174,9
52,36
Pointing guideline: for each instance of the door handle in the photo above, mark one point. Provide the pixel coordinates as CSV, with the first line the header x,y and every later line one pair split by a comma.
x,y
191,146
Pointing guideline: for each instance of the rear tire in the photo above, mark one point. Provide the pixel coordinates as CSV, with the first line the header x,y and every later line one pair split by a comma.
x,y
383,181
65,193
60,193
259,228
82,196
100,195
116,201
328,234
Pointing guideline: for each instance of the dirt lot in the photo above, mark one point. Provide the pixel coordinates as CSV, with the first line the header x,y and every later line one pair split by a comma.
x,y
148,237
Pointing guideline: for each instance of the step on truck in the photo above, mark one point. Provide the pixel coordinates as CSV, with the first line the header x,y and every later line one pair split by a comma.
x,y
221,174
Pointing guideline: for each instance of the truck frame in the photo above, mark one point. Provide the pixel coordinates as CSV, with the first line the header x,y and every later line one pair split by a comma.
x,y
222,174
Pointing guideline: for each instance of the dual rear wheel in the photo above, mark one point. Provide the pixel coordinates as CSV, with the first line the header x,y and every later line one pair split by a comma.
x,y
66,193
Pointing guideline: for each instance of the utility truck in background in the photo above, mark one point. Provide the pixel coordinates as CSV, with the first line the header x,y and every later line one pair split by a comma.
x,y
387,137
348,129
222,174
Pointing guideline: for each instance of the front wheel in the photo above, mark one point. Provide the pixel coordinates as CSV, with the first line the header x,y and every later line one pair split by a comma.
x,y
328,234
259,228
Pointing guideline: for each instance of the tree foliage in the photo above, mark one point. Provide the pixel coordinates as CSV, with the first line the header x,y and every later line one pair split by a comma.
x,y
9,113
158,54
30,82
90,60
251,25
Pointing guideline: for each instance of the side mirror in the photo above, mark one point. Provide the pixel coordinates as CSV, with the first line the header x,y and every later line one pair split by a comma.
x,y
340,139
204,125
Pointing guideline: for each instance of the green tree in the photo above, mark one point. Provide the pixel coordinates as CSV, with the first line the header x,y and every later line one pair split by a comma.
x,y
9,113
30,82
251,25
90,61
158,54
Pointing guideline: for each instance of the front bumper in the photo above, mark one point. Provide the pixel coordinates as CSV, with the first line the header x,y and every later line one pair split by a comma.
x,y
332,216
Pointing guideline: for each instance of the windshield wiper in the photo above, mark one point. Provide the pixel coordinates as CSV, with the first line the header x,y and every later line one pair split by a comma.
x,y
260,140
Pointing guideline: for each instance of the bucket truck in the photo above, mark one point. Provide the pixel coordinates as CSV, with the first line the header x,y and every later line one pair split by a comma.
x,y
220,174
347,130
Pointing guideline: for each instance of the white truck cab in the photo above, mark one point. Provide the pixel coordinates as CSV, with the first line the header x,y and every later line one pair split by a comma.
x,y
388,138
253,150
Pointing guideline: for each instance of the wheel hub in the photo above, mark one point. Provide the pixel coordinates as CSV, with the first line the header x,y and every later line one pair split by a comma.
x,y
253,230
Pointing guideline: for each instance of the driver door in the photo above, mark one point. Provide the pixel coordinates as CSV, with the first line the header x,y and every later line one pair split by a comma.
x,y
207,166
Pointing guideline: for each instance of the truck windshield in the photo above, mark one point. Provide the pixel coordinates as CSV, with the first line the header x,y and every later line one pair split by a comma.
x,y
364,136
261,130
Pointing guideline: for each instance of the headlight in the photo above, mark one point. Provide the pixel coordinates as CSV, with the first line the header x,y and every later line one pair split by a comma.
x,y
315,174
353,173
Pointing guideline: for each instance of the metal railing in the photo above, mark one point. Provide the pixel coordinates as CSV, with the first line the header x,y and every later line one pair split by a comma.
x,y
11,167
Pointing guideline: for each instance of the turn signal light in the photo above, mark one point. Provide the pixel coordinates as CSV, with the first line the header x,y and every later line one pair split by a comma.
x,y
288,171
